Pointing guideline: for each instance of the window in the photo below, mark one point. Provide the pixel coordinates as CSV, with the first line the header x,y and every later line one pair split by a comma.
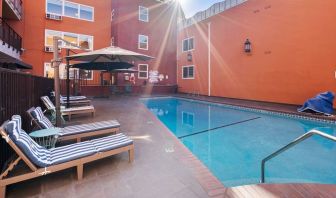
x,y
86,13
143,14
143,71
188,72
55,7
84,41
71,9
188,119
143,42
49,37
188,44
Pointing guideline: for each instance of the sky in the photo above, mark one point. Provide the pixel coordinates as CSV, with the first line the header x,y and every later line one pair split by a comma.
x,y
191,7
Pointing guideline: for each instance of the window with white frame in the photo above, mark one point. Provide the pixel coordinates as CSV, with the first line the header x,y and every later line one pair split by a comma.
x,y
188,44
188,119
70,9
143,42
55,7
143,71
188,72
85,41
73,73
143,14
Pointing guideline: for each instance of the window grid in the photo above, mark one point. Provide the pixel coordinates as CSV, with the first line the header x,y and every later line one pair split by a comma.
x,y
143,71
188,72
81,9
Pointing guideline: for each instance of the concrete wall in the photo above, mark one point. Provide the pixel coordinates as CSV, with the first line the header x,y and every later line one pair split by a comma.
x,y
293,51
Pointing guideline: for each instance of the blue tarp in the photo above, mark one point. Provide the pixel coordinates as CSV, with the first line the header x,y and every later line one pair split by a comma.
x,y
322,103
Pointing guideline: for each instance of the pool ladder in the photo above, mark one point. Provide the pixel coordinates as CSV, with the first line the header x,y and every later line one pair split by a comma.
x,y
290,145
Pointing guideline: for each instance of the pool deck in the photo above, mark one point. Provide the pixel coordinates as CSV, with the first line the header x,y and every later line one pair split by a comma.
x,y
163,166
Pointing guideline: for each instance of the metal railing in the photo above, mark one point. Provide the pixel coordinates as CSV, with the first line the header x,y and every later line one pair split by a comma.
x,y
16,5
290,145
9,36
213,10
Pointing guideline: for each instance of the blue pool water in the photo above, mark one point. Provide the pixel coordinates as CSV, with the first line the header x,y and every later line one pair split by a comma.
x,y
240,139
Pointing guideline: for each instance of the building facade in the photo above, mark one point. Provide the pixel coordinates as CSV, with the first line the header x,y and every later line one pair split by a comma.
x,y
148,27
291,58
144,26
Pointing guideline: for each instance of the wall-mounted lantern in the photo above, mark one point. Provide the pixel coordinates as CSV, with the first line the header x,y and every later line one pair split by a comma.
x,y
189,57
247,46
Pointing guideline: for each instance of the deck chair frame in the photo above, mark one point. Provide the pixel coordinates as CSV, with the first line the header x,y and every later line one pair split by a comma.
x,y
38,172
70,113
77,137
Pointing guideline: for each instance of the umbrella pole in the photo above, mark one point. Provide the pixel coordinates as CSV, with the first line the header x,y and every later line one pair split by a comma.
x,y
56,63
68,79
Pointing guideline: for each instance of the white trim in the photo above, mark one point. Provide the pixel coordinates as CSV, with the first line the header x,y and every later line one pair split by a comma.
x,y
62,36
189,78
139,42
209,59
188,114
139,71
142,7
189,50
79,8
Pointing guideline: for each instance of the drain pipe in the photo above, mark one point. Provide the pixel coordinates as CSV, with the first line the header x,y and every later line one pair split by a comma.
x,y
209,59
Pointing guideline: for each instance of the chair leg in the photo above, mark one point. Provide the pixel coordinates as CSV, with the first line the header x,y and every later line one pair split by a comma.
x,y
78,139
69,117
80,172
2,191
131,155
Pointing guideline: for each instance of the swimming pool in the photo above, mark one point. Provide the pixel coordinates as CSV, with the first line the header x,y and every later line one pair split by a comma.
x,y
232,141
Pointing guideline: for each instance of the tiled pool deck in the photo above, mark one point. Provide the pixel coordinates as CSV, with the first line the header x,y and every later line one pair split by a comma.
x,y
156,171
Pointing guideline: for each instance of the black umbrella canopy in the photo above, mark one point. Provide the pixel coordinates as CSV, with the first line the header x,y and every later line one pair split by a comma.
x,y
103,66
110,54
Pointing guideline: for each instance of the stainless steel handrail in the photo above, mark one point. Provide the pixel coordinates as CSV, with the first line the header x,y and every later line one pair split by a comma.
x,y
290,145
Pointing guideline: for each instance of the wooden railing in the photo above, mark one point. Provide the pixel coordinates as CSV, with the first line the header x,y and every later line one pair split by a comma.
x,y
19,92
9,36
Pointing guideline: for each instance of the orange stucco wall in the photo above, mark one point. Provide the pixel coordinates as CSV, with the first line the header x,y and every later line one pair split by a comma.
x,y
33,25
293,51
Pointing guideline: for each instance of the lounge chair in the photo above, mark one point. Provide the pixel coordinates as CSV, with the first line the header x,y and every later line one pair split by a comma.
x,y
73,103
42,161
76,132
74,98
68,111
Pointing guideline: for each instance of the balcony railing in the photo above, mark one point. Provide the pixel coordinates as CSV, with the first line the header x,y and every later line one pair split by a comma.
x,y
9,36
16,5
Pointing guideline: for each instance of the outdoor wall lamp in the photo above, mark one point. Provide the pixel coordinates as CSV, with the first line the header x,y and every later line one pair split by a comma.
x,y
247,46
189,57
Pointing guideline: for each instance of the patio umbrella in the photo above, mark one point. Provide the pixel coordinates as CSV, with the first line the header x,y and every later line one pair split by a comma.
x,y
124,71
103,66
110,54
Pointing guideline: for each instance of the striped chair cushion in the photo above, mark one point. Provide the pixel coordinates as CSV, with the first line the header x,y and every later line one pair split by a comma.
x,y
43,157
74,98
41,118
111,142
72,152
83,128
35,153
46,100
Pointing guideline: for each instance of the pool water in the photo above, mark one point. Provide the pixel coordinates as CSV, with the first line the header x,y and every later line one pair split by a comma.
x,y
233,142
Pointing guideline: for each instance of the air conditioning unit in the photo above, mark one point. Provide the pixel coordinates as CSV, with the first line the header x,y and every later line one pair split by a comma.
x,y
51,49
54,17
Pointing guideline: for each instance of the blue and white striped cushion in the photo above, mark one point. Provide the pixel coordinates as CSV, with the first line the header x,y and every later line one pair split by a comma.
x,y
46,100
41,118
111,142
36,153
71,152
83,128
